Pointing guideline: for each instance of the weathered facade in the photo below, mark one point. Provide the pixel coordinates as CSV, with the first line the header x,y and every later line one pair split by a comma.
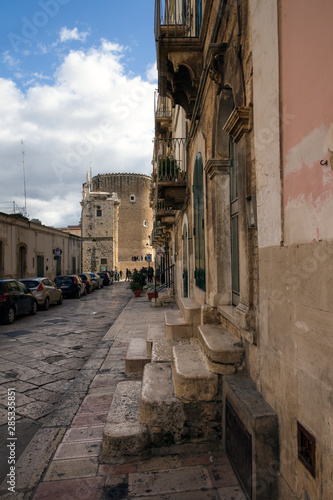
x,y
29,249
242,194
99,223
135,217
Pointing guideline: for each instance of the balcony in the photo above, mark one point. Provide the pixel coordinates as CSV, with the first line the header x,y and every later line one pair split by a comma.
x,y
163,114
170,171
179,50
166,215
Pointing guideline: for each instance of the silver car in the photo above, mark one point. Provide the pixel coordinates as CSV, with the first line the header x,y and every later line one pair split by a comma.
x,y
45,290
98,281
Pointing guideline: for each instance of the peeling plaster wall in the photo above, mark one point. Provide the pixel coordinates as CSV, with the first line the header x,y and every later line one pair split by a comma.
x,y
295,373
307,94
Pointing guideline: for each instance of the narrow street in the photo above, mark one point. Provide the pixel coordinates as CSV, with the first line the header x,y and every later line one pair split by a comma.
x,y
41,357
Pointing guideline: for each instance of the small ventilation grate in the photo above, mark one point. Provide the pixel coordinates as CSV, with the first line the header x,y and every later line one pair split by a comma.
x,y
306,444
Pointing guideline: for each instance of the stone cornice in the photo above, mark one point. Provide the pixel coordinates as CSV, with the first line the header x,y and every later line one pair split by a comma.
x,y
239,122
217,166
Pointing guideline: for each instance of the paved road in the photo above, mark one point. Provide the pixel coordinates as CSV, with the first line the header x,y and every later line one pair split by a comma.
x,y
41,357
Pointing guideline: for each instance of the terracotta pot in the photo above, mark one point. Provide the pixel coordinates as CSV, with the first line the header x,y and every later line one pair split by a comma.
x,y
137,293
152,295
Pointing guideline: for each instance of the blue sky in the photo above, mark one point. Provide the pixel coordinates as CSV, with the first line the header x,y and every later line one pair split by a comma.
x,y
76,85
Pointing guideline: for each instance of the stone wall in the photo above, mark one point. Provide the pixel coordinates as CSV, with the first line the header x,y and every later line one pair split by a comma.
x,y
135,216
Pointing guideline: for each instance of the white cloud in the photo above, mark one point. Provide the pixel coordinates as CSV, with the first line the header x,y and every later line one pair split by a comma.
x,y
152,73
93,112
10,61
74,34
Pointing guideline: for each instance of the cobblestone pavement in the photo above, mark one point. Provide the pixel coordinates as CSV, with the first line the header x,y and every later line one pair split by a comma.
x,y
42,357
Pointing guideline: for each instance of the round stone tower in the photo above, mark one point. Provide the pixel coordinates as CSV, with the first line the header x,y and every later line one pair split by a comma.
x,y
135,223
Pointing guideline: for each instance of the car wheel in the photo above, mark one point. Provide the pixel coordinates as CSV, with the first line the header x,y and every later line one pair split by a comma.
x,y
33,309
85,291
77,294
9,317
46,304
60,301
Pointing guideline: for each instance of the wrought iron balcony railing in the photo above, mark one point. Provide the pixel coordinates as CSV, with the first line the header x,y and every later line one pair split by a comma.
x,y
177,18
163,108
170,160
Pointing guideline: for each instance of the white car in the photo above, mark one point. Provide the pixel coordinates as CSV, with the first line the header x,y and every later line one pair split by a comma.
x,y
45,290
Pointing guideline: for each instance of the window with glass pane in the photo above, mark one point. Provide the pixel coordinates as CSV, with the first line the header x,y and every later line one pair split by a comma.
x,y
199,229
234,226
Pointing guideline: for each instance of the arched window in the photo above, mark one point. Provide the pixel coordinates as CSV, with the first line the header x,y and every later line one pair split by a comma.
x,y
199,227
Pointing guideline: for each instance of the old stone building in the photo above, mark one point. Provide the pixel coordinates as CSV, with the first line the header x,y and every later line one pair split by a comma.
x,y
135,217
30,249
99,223
242,194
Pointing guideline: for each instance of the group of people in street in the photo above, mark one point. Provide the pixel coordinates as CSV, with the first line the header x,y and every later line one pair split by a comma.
x,y
118,275
149,272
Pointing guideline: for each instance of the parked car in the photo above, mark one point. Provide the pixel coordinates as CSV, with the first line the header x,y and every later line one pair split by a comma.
x,y
71,285
45,290
97,280
15,299
106,277
90,285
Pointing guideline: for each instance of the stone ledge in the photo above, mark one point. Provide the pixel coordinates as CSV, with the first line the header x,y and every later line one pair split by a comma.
x,y
219,345
261,422
190,309
162,349
175,325
192,379
136,357
154,332
160,410
124,437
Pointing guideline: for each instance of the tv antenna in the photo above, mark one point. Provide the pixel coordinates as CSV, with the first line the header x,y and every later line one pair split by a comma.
x,y
25,187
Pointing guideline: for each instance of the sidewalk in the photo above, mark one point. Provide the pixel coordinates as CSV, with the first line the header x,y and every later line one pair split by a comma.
x,y
75,472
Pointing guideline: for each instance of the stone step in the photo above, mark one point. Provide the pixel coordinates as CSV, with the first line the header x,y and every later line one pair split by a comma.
x,y
164,299
190,309
223,353
192,379
175,325
162,349
154,332
160,410
136,356
124,436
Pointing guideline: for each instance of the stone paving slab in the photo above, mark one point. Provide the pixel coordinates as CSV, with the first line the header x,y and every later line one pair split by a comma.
x,y
72,469
169,481
192,475
89,488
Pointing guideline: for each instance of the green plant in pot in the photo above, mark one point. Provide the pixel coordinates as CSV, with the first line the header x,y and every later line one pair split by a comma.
x,y
167,168
135,285
138,281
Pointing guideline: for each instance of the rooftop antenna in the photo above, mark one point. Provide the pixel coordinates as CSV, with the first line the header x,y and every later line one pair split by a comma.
x,y
25,187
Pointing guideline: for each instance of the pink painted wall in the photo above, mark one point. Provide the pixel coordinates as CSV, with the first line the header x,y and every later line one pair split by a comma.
x,y
306,64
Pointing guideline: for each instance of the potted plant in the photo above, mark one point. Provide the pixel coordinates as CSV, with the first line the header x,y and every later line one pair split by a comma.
x,y
137,283
167,169
136,288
